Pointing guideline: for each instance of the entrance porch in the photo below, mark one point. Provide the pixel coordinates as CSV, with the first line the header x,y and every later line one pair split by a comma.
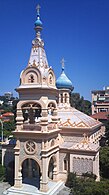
x,y
26,189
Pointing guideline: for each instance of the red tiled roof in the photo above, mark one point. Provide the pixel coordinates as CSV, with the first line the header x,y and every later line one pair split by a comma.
x,y
1,110
6,120
101,115
7,114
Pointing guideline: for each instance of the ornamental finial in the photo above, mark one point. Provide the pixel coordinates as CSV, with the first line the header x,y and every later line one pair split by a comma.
x,y
63,63
38,9
38,23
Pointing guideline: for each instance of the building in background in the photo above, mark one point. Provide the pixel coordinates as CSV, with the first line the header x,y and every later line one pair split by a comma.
x,y
100,100
8,95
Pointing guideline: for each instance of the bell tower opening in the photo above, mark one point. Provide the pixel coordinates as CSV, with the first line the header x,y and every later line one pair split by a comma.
x,y
51,108
31,172
51,168
31,112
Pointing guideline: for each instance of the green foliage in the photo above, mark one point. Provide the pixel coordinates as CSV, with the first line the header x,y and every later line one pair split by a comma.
x,y
15,101
71,180
80,104
88,175
6,107
104,161
107,132
0,156
8,127
87,185
2,172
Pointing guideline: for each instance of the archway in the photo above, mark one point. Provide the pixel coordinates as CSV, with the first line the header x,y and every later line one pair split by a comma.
x,y
31,112
51,168
51,108
31,172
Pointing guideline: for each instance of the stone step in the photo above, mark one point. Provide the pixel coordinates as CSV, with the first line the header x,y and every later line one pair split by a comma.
x,y
54,188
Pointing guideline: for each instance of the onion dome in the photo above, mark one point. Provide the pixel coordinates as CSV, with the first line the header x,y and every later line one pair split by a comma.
x,y
38,23
63,81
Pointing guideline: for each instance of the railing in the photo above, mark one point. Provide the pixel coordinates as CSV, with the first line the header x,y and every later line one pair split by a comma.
x,y
31,127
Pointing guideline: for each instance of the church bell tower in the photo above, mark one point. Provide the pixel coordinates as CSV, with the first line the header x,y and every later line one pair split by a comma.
x,y
37,134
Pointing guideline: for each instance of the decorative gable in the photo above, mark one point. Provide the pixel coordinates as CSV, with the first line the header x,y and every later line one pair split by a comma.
x,y
31,75
82,124
69,124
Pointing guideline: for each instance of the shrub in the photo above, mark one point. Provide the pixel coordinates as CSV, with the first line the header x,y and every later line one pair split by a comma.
x,y
2,172
83,186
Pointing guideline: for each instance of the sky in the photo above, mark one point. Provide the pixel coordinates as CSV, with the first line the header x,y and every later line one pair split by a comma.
x,y
76,30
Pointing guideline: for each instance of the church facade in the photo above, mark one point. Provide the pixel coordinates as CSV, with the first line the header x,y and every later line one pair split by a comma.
x,y
52,138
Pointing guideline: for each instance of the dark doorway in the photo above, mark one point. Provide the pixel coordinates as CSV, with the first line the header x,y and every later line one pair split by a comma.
x,y
51,168
10,173
31,172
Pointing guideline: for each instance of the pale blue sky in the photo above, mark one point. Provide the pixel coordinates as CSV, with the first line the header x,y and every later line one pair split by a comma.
x,y
77,30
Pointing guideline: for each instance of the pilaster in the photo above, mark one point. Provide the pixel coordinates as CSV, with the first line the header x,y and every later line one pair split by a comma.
x,y
44,178
19,119
18,175
44,120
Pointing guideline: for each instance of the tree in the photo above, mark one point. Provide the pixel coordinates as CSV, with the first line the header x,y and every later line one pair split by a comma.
x,y
8,127
6,106
107,132
86,185
104,161
2,172
15,101
80,104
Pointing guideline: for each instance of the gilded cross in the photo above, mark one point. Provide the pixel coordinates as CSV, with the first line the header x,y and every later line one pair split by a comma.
x,y
63,62
38,8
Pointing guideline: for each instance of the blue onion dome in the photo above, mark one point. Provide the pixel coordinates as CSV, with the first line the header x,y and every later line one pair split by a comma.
x,y
63,82
38,23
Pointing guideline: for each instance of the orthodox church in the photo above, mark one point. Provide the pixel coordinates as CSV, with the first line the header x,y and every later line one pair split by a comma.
x,y
52,138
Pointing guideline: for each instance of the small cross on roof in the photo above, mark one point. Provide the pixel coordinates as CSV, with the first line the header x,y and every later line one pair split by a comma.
x,y
63,62
38,8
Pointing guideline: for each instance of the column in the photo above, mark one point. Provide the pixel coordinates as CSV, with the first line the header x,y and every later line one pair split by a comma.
x,y
68,98
55,118
18,175
59,99
71,163
63,98
56,168
19,119
44,120
44,178
97,167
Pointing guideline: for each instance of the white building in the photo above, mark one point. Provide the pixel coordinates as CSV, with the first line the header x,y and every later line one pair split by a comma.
x,y
8,95
100,100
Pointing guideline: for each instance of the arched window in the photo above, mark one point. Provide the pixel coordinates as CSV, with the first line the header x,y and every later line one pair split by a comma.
x,y
61,98
65,164
31,79
51,79
31,112
52,142
51,107
65,98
